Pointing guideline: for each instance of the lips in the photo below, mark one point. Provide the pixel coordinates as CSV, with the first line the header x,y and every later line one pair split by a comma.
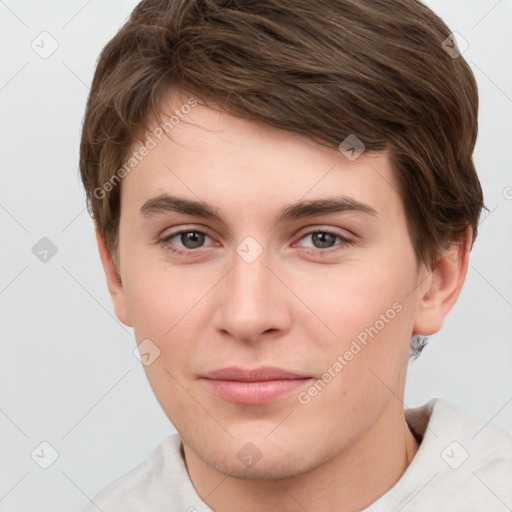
x,y
255,386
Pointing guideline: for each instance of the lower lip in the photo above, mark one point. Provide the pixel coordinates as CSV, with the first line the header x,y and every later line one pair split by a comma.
x,y
254,393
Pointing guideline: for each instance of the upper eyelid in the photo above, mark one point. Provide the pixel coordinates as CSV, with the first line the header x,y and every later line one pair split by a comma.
x,y
201,229
306,231
320,229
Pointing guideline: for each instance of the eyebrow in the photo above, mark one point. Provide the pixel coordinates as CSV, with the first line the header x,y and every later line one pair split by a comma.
x,y
167,203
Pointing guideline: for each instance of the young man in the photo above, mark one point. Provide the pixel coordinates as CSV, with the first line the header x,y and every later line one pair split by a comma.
x,y
285,200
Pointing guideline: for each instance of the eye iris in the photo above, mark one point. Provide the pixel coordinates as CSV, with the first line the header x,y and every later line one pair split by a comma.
x,y
323,240
192,239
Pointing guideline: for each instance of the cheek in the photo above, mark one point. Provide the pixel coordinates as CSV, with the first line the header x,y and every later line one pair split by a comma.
x,y
165,310
372,314
167,306
159,297
362,300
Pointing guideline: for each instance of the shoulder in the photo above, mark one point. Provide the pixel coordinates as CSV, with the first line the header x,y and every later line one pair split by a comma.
x,y
479,454
470,460
159,484
463,463
470,439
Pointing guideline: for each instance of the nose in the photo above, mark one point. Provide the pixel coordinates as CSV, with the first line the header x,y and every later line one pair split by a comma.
x,y
252,302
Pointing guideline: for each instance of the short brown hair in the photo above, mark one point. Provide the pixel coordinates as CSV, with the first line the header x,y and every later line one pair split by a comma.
x,y
328,69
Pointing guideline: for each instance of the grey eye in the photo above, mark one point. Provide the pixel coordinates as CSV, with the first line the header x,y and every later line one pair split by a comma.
x,y
323,240
192,239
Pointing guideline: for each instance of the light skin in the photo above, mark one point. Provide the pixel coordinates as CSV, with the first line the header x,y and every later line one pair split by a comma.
x,y
298,306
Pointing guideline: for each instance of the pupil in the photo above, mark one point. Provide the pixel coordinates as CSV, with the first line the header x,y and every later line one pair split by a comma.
x,y
192,239
323,240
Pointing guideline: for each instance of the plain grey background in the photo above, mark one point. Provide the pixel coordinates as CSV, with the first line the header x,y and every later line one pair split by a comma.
x,y
68,376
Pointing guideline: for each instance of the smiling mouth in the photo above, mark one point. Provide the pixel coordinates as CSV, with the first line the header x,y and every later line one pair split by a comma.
x,y
253,386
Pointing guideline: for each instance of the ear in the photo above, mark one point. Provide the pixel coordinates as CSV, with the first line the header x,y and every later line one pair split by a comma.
x,y
441,288
114,282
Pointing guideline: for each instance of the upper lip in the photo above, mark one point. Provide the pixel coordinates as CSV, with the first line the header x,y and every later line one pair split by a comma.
x,y
262,373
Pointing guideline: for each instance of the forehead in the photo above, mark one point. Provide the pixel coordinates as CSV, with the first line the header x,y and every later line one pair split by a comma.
x,y
212,156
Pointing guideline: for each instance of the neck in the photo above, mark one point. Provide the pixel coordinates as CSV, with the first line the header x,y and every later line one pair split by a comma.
x,y
350,481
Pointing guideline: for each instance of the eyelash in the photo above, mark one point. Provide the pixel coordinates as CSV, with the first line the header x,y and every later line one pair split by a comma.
x,y
193,252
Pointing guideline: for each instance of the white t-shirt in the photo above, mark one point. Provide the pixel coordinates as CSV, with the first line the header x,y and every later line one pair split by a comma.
x,y
462,465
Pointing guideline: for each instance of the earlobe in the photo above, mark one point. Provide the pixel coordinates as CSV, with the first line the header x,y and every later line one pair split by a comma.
x,y
442,286
114,281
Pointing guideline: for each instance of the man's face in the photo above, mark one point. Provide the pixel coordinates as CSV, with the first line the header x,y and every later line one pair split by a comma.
x,y
325,298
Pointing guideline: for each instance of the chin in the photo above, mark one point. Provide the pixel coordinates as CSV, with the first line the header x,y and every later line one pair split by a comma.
x,y
279,467
258,458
